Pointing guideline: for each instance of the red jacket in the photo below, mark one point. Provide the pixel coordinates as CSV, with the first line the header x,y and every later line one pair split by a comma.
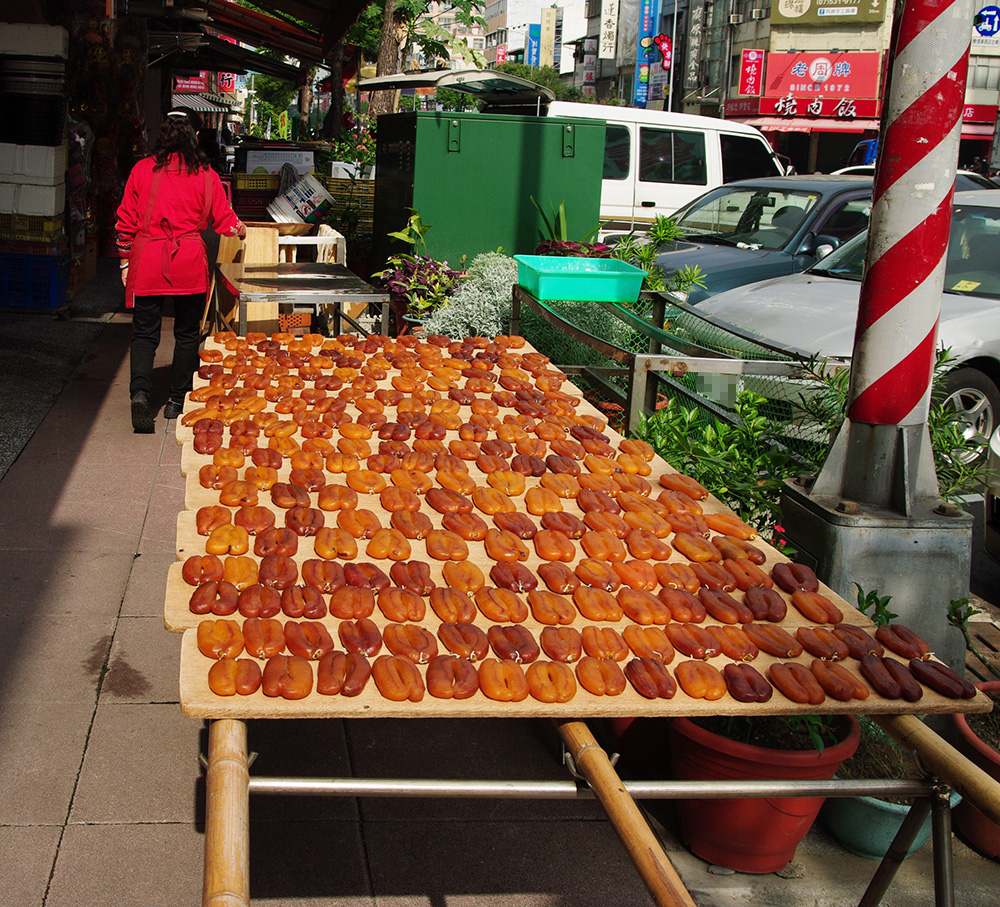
x,y
170,259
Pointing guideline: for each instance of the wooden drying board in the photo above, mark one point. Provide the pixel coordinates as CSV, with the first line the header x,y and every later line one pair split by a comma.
x,y
197,700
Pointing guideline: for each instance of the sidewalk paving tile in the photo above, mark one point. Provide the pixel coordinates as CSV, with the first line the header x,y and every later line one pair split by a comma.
x,y
141,766
508,863
41,747
128,865
26,858
143,666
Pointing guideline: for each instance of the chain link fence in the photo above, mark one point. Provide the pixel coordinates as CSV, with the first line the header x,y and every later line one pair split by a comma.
x,y
679,331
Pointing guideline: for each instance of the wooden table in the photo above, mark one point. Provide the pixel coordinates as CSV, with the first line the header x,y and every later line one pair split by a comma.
x,y
302,285
229,783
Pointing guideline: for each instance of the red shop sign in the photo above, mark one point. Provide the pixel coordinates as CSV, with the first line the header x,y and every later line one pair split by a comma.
x,y
751,71
835,108
830,75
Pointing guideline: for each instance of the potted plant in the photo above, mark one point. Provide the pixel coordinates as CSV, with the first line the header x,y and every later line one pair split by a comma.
x,y
558,242
417,284
481,305
867,825
980,739
756,835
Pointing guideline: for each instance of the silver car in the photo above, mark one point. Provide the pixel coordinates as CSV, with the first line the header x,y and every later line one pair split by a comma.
x,y
816,311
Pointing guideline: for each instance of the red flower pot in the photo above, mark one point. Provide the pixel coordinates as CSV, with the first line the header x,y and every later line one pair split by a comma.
x,y
750,835
980,832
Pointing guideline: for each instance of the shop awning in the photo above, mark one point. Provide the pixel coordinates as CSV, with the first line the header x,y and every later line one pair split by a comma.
x,y
807,124
977,130
199,103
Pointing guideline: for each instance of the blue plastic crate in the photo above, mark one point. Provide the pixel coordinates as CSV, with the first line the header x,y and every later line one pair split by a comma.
x,y
34,282
594,279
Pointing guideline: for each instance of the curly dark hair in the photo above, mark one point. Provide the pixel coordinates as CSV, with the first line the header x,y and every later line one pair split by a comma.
x,y
177,136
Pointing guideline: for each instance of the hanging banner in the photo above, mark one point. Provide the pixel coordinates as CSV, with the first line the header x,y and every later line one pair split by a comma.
x,y
534,45
609,30
192,83
751,71
826,12
645,52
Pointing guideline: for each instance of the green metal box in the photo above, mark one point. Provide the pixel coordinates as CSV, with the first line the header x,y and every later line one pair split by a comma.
x,y
472,176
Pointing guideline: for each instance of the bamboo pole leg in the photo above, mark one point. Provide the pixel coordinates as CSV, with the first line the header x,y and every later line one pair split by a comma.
x,y
642,845
896,853
944,873
942,760
227,817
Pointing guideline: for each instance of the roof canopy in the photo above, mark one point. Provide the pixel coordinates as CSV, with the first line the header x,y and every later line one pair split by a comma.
x,y
188,32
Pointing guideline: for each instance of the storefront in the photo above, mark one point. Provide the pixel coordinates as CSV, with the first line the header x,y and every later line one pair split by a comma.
x,y
815,107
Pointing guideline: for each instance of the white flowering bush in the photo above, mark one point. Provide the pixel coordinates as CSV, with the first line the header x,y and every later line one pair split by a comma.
x,y
481,306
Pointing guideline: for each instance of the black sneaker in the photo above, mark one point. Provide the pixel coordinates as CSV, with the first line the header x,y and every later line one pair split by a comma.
x,y
142,414
173,409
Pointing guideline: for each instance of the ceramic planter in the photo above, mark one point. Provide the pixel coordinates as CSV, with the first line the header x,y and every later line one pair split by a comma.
x,y
750,835
979,831
866,825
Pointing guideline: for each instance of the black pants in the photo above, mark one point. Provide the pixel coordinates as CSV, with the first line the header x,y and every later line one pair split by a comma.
x,y
146,319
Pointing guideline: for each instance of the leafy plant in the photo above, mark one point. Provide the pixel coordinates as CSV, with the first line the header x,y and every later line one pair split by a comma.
x,y
642,252
958,459
879,605
959,613
789,732
417,283
742,464
481,306
558,241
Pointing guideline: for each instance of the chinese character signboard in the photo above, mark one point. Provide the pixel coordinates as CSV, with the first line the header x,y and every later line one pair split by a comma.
x,y
501,53
838,108
751,71
608,47
830,75
692,82
227,83
826,12
589,65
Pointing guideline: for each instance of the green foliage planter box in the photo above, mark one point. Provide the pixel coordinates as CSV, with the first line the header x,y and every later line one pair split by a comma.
x,y
551,277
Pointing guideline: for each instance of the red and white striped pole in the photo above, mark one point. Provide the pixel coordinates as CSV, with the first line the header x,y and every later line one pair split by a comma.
x,y
894,347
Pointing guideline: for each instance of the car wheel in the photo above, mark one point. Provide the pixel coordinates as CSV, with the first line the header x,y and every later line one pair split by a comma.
x,y
977,401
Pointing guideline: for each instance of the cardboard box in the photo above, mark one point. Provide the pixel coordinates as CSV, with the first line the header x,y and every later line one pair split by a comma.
x,y
33,40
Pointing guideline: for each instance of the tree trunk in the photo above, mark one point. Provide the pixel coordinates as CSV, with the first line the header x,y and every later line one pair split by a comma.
x,y
334,116
305,101
393,32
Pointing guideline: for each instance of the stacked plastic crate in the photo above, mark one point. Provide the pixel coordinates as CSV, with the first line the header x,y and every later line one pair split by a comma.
x,y
252,193
34,258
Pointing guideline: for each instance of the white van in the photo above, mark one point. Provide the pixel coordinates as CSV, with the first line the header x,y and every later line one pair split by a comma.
x,y
654,161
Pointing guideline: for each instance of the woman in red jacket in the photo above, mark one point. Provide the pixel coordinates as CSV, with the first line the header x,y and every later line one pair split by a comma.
x,y
170,198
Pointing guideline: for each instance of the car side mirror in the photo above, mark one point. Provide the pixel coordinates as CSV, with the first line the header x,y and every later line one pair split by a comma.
x,y
818,246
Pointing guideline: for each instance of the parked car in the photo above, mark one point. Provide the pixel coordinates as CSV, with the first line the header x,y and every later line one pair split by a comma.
x,y
965,180
816,311
753,229
654,160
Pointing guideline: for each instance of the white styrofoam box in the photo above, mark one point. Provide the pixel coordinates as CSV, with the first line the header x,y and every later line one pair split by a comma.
x,y
33,40
43,165
8,160
29,199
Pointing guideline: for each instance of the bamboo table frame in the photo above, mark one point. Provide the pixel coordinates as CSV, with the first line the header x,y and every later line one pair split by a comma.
x,y
229,785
